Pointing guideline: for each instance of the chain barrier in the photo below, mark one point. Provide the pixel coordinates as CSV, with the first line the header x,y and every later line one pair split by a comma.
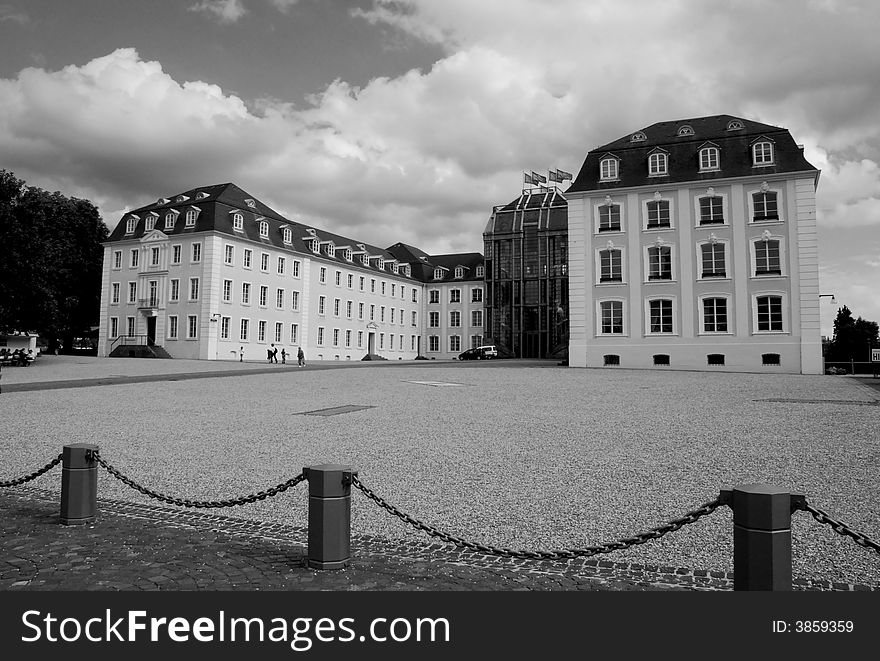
x,y
563,554
183,502
34,475
841,528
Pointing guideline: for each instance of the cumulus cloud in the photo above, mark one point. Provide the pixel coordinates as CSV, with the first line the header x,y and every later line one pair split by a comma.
x,y
13,15
226,11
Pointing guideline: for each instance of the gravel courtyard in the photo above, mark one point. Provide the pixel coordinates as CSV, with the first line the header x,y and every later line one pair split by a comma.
x,y
516,456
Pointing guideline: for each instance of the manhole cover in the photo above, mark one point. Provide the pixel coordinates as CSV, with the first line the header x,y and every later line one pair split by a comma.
x,y
336,410
436,384
820,401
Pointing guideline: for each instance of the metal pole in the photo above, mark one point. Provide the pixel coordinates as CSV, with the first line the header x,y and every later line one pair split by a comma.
x,y
329,516
761,536
79,484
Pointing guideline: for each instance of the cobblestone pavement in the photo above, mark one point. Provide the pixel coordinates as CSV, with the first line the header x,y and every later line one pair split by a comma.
x,y
142,547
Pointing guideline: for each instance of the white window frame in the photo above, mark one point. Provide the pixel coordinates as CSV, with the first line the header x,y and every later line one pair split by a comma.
x,y
750,198
455,295
229,254
176,253
598,266
646,256
247,258
173,327
477,295
725,214
658,164
245,293
226,295
244,329
597,217
196,253
623,310
725,243
701,313
783,257
785,313
265,258
763,157
114,293
192,327
707,155
225,323
194,286
294,300
609,169
117,259
674,312
264,229
646,219
174,290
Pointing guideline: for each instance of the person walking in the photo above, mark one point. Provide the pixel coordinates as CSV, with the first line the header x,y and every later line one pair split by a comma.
x,y
274,353
269,354
241,354
301,357
283,356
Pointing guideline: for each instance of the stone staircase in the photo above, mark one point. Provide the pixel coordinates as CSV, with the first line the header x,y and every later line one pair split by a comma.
x,y
139,351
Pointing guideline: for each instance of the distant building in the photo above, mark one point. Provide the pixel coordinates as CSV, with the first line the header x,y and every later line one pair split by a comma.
x,y
526,252
215,274
692,245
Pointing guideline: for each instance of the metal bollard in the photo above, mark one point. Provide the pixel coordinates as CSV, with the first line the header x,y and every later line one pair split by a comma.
x,y
79,484
761,536
329,515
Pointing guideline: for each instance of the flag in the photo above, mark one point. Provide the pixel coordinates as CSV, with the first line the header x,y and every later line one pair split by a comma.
x,y
527,179
563,175
554,176
538,178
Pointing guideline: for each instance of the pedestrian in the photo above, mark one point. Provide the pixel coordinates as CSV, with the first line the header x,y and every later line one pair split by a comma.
x,y
274,353
283,356
301,357
240,354
269,354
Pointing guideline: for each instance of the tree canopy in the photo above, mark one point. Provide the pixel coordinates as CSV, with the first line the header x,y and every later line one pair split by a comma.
x,y
852,338
51,258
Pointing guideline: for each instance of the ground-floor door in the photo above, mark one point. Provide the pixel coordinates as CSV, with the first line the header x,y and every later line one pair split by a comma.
x,y
371,343
151,331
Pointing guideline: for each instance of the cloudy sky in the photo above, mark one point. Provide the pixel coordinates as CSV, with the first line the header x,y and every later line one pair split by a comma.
x,y
391,120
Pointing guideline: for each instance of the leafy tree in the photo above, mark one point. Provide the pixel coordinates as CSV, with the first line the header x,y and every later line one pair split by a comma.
x,y
51,257
852,338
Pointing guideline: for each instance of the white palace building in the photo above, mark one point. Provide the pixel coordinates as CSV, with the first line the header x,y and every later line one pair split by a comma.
x,y
215,274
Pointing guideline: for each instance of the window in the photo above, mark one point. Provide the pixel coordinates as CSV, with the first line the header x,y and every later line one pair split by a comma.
x,y
438,274
392,315
455,318
246,260
169,220
281,265
382,313
335,337
455,295
360,339
322,300
476,318
611,317
224,327
685,131
660,316
264,229
381,340
286,236
393,289
174,294
348,337
114,293
459,272
348,308
129,322
762,153
350,281
154,256
261,331
433,320
372,313
295,268
770,359
294,300
339,279
264,262
114,327
117,259
434,296
715,315
360,310
294,333
660,263
415,295
711,210
383,288
608,169
769,313
477,295
176,252
433,343
238,222
246,293
610,265
279,329
227,291
135,255
130,225
154,294
765,206
476,341
480,271
172,327
132,292
455,343
196,252
243,333
657,164
322,275
715,359
658,213
191,218
767,260
661,359
414,318
336,303
193,289
609,218
361,282
610,359
709,158
229,255
264,295
279,300
713,259
192,327
320,336
149,223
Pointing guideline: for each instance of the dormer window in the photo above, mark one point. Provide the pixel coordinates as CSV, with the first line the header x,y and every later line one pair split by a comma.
x,y
264,229
639,136
346,254
657,164
181,198
735,125
238,222
709,158
480,271
150,223
251,203
380,264
202,195
608,169
191,216
287,236
314,245
438,274
459,272
170,217
365,259
330,250
762,153
131,224
162,201
404,268
685,131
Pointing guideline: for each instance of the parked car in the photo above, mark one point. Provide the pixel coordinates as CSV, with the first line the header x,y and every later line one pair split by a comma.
x,y
479,353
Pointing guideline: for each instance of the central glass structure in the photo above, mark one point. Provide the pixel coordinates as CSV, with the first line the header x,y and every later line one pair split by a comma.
x,y
526,275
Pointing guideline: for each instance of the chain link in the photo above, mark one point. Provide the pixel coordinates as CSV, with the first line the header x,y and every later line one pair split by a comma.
x,y
841,528
618,545
183,502
34,475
